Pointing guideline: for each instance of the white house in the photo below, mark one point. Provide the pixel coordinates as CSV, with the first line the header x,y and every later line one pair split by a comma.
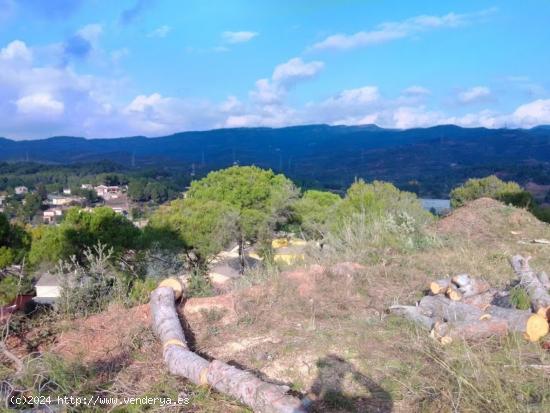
x,y
62,200
2,199
108,192
21,190
87,186
48,289
51,215
66,191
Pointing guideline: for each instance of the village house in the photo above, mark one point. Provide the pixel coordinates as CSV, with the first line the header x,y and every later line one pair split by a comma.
x,y
48,289
52,215
119,204
2,199
66,191
64,200
108,192
89,187
21,190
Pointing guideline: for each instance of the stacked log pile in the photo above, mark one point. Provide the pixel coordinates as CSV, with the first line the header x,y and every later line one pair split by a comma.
x,y
464,307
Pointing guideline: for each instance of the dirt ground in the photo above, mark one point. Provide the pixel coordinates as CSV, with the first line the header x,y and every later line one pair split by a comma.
x,y
322,328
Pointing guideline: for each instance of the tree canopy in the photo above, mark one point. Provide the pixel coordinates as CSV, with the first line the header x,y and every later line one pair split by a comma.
x,y
314,210
234,204
491,187
80,230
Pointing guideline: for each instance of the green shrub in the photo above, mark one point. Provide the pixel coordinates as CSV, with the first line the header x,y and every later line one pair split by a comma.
x,y
519,298
89,288
140,291
375,217
314,210
491,187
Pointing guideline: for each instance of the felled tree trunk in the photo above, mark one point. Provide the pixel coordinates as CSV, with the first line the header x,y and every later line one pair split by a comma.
x,y
442,308
470,330
481,301
535,284
414,314
533,326
244,386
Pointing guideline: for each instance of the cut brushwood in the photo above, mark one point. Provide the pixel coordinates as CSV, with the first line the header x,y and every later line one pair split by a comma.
x,y
535,284
246,387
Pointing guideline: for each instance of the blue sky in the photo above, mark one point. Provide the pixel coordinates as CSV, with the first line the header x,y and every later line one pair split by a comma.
x,y
101,68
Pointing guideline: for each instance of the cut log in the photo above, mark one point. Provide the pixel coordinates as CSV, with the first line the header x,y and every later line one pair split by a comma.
x,y
414,314
453,293
517,319
461,280
544,279
481,301
474,287
470,330
442,308
532,325
535,286
246,387
440,286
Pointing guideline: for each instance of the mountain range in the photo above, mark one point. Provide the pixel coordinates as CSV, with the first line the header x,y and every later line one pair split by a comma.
x,y
428,161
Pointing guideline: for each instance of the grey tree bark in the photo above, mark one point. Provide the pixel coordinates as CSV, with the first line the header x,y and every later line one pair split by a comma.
x,y
244,386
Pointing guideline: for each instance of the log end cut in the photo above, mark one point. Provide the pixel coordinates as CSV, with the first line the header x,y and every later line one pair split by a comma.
x,y
454,294
175,285
537,327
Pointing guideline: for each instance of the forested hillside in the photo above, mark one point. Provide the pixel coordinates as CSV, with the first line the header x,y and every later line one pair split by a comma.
x,y
429,162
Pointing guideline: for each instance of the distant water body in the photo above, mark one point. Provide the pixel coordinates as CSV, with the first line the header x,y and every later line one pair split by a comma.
x,y
437,205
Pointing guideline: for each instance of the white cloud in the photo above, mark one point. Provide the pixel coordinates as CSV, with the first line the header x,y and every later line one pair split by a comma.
x,y
474,94
416,90
16,50
285,75
355,97
231,104
238,37
91,32
532,114
160,32
390,31
40,104
296,69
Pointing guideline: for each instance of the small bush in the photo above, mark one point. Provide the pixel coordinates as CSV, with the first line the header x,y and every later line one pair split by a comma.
x,y
491,187
519,298
88,288
373,218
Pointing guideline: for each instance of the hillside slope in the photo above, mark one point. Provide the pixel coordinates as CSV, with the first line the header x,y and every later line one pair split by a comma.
x,y
429,161
324,331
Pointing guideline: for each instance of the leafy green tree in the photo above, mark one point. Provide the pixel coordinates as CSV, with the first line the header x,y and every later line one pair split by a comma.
x,y
81,230
136,190
8,290
14,242
491,187
7,257
259,199
32,204
314,210
202,229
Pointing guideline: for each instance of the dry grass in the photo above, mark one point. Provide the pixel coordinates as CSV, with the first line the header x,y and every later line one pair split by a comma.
x,y
336,343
